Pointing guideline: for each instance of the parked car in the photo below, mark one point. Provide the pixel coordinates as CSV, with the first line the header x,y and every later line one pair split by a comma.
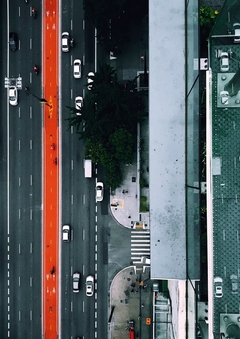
x,y
77,68
13,95
218,287
65,41
99,191
78,104
234,282
145,260
224,97
89,285
66,233
224,62
13,41
90,80
236,30
76,282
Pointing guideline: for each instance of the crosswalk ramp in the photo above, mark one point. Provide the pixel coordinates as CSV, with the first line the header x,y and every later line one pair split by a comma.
x,y
140,245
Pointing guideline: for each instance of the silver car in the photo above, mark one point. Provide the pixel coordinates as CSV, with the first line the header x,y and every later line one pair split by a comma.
x,y
76,282
234,282
90,80
78,104
218,287
224,62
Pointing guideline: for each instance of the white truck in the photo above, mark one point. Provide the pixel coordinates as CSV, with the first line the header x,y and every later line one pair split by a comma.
x,y
88,168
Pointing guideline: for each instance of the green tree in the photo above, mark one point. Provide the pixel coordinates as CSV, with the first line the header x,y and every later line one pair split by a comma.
x,y
110,112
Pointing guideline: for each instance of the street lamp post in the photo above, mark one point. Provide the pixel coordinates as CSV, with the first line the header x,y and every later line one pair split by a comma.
x,y
41,100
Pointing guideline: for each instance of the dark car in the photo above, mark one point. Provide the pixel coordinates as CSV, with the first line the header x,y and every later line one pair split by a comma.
x,y
13,41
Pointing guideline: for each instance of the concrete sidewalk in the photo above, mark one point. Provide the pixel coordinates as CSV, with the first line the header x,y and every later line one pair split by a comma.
x,y
130,299
124,203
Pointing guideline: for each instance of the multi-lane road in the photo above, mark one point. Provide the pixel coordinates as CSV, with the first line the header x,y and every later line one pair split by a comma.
x,y
22,207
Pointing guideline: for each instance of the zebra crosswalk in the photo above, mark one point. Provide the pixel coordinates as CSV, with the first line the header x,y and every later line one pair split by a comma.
x,y
140,245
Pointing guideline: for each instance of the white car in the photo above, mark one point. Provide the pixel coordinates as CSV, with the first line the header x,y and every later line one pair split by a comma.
x,y
89,285
236,28
99,191
218,292
224,97
66,233
13,95
65,42
90,80
76,282
224,62
77,68
78,104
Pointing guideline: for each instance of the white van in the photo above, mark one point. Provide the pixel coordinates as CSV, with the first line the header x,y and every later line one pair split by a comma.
x,y
88,168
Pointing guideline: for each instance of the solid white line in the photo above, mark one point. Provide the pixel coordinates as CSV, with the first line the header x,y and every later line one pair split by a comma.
x,y
140,245
140,236
140,242
140,232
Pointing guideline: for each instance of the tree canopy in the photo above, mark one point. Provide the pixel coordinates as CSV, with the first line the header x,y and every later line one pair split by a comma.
x,y
111,111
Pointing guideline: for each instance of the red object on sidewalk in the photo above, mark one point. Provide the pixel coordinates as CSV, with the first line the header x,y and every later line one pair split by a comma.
x,y
131,334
